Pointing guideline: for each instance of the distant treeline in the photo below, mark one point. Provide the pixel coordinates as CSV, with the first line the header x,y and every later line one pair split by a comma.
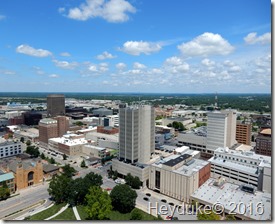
x,y
245,102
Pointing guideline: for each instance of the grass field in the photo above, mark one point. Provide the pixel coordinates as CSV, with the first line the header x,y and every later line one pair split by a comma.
x,y
47,213
68,214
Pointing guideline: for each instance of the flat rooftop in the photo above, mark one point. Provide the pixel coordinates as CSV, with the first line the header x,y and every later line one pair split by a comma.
x,y
187,169
227,194
69,142
235,166
175,161
240,153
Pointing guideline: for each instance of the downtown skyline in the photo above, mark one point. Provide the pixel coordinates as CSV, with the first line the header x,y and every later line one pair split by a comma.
x,y
178,46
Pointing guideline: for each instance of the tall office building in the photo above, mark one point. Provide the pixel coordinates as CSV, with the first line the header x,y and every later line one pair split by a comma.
x,y
264,142
136,133
243,133
55,105
47,129
62,125
221,130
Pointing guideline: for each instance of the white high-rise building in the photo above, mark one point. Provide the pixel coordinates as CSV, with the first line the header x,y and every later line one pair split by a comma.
x,y
136,133
221,130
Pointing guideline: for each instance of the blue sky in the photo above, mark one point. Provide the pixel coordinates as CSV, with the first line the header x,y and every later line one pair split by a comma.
x,y
175,46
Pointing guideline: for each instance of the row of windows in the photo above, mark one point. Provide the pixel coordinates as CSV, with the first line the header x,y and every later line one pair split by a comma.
x,y
233,158
10,154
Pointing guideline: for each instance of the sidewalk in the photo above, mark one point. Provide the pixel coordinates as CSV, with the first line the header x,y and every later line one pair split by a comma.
x,y
76,213
60,211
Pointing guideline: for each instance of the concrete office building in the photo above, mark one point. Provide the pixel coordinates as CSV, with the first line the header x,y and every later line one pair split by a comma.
x,y
70,144
194,141
11,148
104,140
264,142
241,167
221,130
113,120
178,176
235,197
136,133
102,112
243,133
55,105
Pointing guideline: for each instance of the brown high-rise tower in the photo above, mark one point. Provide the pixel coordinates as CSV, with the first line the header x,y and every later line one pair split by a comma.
x,y
55,105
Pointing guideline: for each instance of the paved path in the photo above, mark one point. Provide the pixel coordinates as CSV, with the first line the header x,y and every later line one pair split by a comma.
x,y
60,211
76,213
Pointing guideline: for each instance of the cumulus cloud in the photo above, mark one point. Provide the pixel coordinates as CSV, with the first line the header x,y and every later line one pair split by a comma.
x,y
105,55
138,65
65,54
206,44
252,38
28,50
7,72
114,11
176,65
54,76
140,47
207,62
121,66
65,64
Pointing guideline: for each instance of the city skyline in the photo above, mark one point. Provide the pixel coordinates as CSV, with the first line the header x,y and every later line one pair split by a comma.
x,y
136,46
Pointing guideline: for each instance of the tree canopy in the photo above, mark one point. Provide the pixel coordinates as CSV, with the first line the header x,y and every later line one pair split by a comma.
x,y
123,198
99,204
33,151
68,170
209,216
59,188
4,192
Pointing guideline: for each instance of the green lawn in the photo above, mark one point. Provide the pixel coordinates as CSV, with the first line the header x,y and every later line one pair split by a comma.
x,y
48,212
68,214
115,215
83,215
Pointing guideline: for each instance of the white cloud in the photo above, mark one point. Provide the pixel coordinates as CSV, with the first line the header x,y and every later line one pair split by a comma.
x,y
38,70
235,69
173,61
2,17
140,47
138,65
7,72
105,55
176,65
113,10
206,44
65,54
53,76
121,66
207,62
252,38
228,63
103,67
28,50
93,68
65,64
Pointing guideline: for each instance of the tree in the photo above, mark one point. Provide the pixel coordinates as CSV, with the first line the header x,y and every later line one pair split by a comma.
x,y
230,217
129,179
65,156
208,216
78,123
136,183
83,164
123,198
93,179
22,139
52,161
136,214
115,175
33,151
68,171
99,204
4,192
78,189
169,125
59,188
42,156
28,143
